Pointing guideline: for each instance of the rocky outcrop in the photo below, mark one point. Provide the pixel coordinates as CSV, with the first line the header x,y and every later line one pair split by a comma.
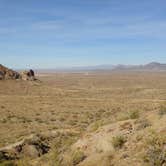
x,y
28,75
33,146
6,73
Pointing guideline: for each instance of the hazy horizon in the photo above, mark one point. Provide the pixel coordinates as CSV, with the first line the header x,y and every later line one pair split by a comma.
x,y
62,33
97,66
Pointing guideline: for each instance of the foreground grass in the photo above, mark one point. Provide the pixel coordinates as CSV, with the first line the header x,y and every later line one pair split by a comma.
x,y
81,103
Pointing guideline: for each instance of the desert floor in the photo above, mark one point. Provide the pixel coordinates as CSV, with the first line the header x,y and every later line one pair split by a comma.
x,y
80,104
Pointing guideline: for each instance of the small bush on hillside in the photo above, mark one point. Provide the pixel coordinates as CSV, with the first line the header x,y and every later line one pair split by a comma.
x,y
24,162
155,154
134,115
118,141
162,111
142,124
59,147
77,157
128,115
7,163
95,126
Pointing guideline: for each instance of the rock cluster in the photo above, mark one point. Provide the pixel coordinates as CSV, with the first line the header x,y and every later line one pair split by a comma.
x,y
6,73
28,75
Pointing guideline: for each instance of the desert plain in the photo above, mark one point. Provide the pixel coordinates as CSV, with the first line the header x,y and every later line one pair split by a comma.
x,y
99,118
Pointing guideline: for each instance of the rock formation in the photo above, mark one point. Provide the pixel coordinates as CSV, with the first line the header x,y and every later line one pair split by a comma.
x,y
6,73
28,75
33,146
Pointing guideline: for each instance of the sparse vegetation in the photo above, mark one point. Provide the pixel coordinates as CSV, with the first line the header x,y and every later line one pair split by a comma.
x,y
94,126
134,114
77,157
162,111
7,163
125,115
155,150
118,141
142,124
63,103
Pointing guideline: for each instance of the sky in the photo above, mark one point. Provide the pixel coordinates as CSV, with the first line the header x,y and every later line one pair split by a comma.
x,y
64,33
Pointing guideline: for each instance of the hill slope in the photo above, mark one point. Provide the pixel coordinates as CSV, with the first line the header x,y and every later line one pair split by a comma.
x,y
6,73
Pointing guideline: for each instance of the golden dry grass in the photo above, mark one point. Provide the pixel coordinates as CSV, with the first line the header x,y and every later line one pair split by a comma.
x,y
77,101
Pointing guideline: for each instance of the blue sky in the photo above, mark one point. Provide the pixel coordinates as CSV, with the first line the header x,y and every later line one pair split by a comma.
x,y
61,33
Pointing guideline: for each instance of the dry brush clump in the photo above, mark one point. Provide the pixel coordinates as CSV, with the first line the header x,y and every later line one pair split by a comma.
x,y
125,115
118,141
142,123
155,153
77,157
162,111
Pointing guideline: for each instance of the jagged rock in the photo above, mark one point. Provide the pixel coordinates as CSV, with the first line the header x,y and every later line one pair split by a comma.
x,y
6,73
28,75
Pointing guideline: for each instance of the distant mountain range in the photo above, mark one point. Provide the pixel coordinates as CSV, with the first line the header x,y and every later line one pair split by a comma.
x,y
153,66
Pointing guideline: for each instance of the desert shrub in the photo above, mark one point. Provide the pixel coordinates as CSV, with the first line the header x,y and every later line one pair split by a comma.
x,y
155,154
142,124
7,163
128,115
95,126
54,158
122,116
134,114
59,147
162,111
4,121
77,157
39,120
118,141
24,162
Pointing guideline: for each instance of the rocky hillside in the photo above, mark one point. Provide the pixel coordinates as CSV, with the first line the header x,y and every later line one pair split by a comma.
x,y
6,73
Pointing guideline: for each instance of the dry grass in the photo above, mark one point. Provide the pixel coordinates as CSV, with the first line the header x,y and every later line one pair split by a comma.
x,y
77,101
118,141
